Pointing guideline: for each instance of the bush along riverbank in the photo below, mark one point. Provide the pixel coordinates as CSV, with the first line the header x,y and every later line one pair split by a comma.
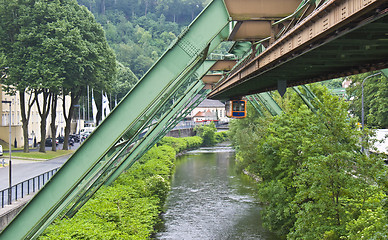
x,y
130,207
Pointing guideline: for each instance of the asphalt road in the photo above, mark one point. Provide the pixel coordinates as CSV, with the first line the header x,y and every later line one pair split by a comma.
x,y
25,169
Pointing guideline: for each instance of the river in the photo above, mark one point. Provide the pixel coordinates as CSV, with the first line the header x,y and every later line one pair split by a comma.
x,y
209,200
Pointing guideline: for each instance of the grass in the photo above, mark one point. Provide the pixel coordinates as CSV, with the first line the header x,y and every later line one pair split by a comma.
x,y
38,155
5,146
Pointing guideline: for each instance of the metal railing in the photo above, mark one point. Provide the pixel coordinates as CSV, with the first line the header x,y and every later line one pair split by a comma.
x,y
25,188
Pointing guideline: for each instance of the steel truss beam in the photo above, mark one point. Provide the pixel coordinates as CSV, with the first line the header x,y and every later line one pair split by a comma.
x,y
95,160
327,32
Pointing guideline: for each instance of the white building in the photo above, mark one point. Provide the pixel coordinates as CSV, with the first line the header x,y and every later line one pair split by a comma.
x,y
216,107
34,123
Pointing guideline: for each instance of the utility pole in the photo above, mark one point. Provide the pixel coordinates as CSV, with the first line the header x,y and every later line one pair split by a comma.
x,y
10,159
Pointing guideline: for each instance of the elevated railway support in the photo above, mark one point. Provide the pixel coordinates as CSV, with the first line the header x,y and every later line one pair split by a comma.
x,y
338,38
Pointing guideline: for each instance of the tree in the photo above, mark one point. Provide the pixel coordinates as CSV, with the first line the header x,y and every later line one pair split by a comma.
x,y
207,133
90,62
316,183
375,99
12,19
54,45
124,81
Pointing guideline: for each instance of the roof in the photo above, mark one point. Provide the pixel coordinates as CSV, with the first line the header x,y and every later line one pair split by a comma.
x,y
211,103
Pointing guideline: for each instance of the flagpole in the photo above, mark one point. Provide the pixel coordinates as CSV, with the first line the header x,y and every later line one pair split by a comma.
x,y
87,112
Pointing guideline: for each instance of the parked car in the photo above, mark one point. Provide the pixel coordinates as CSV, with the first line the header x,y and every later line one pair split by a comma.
x,y
62,140
74,137
49,142
1,150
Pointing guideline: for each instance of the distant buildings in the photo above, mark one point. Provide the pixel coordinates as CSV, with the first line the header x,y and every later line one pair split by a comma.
x,y
208,110
34,123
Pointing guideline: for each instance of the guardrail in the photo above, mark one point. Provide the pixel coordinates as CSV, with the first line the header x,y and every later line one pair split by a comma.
x,y
25,188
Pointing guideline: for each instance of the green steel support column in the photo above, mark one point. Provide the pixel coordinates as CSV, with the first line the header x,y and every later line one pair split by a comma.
x,y
269,103
189,107
155,133
255,104
307,98
128,158
385,72
188,91
185,54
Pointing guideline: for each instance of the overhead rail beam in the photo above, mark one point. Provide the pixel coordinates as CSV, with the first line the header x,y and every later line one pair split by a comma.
x,y
338,39
126,121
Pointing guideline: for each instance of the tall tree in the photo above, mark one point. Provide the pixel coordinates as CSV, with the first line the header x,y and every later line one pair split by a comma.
x,y
375,98
316,183
12,18
90,62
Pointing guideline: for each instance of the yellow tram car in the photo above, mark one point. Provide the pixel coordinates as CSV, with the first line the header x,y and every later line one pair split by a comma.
x,y
236,108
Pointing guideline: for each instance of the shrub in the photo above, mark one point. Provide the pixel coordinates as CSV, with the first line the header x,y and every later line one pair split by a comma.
x,y
130,207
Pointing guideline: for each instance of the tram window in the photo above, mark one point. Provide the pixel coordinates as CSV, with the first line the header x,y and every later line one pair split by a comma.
x,y
236,108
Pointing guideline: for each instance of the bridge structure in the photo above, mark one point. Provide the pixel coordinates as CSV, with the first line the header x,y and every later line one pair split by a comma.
x,y
276,44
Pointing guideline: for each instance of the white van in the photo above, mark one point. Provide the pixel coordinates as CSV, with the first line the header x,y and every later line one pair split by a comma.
x,y
1,150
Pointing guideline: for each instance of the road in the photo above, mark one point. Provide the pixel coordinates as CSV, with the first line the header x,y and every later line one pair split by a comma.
x,y
25,169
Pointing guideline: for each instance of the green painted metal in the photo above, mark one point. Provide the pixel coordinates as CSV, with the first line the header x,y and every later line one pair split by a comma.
x,y
385,72
137,148
255,104
124,124
269,103
307,96
185,97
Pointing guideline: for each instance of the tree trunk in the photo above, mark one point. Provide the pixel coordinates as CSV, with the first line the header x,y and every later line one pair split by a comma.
x,y
103,7
53,117
43,113
25,117
74,98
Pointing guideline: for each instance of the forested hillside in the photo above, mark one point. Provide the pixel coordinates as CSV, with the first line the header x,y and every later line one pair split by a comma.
x,y
140,31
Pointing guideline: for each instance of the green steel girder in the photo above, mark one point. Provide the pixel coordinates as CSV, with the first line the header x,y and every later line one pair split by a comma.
x,y
180,59
255,104
113,171
269,103
167,125
128,158
81,196
189,106
307,96
385,72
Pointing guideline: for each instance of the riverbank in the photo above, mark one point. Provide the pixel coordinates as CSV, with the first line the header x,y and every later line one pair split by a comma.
x,y
130,207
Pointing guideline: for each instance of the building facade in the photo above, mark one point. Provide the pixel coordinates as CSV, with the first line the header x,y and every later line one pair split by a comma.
x,y
34,123
209,110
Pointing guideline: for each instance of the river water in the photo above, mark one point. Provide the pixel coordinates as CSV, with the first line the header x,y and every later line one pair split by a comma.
x,y
209,200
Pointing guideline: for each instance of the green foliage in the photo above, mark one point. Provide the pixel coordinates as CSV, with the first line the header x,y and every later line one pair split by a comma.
x,y
221,136
207,133
193,142
130,207
375,99
315,182
181,144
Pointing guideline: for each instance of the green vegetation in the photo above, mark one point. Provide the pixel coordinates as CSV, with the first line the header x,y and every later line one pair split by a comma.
x,y
375,99
181,144
210,135
316,184
130,207
52,48
39,155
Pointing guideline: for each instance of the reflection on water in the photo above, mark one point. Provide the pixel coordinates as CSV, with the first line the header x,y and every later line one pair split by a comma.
x,y
209,200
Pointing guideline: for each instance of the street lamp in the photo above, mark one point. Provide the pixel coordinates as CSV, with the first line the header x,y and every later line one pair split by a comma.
x,y
79,122
362,103
10,161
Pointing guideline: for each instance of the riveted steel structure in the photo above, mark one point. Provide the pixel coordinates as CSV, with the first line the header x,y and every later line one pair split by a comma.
x,y
120,138
339,38
305,41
